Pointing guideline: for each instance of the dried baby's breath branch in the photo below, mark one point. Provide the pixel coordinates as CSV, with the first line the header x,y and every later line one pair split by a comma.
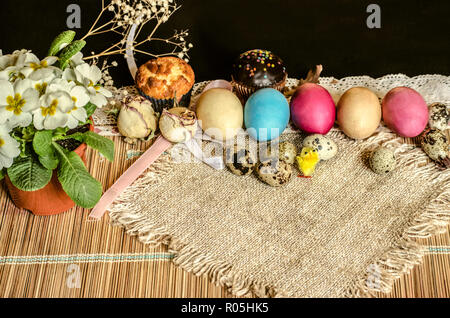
x,y
125,14
92,30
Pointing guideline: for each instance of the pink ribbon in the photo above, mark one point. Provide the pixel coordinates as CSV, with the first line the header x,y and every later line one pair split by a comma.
x,y
219,84
159,146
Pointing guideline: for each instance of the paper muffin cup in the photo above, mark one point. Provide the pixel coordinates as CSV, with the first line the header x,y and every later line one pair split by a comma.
x,y
160,104
244,91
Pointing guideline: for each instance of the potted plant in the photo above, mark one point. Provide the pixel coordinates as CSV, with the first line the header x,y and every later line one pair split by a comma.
x,y
45,126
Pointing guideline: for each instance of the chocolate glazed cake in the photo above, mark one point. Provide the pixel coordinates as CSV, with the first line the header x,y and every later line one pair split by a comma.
x,y
258,69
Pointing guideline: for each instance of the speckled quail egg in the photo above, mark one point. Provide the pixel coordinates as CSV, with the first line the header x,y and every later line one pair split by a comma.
x,y
326,148
436,145
382,161
287,152
274,172
439,116
239,160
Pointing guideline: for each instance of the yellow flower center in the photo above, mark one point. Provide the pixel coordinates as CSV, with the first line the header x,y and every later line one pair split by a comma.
x,y
74,108
15,104
74,99
91,84
36,66
2,142
50,110
41,88
13,76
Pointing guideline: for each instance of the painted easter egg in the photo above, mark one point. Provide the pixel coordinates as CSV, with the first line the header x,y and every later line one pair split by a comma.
x,y
405,111
266,114
359,113
313,109
220,113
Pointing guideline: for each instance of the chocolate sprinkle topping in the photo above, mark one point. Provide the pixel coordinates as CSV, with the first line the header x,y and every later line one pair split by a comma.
x,y
259,68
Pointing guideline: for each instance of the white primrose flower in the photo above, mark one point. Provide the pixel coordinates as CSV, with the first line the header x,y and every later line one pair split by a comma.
x,y
6,61
17,101
37,69
22,57
89,76
53,110
76,60
75,116
17,58
78,93
9,147
12,65
11,74
42,85
80,97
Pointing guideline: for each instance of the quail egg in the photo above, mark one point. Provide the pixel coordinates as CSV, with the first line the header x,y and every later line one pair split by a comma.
x,y
240,161
274,172
439,116
326,148
382,161
287,152
435,144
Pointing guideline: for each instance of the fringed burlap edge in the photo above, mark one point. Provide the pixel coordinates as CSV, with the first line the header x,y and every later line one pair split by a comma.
x,y
395,262
432,220
187,257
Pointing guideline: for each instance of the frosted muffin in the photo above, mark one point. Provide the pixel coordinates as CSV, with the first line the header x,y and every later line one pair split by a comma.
x,y
257,69
164,80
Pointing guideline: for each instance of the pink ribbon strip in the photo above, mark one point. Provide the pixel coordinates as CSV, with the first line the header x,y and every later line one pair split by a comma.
x,y
129,53
157,149
219,84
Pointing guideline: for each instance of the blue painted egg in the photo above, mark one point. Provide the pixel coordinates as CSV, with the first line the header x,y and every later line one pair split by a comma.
x,y
266,114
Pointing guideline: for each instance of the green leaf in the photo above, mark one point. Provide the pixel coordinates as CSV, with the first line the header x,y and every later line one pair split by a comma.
x,y
103,145
69,51
2,174
90,109
28,133
77,136
24,135
42,142
42,145
65,37
60,132
28,174
76,181
49,162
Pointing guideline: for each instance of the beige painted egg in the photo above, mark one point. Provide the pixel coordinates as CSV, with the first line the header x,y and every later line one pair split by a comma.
x,y
359,112
220,113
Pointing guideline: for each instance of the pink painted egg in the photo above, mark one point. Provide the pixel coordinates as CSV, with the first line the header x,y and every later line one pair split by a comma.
x,y
405,111
313,109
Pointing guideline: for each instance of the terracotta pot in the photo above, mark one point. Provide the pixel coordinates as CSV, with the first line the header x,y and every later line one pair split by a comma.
x,y
49,200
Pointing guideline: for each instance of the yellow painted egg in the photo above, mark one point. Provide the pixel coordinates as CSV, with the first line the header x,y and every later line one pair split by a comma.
x,y
359,112
220,113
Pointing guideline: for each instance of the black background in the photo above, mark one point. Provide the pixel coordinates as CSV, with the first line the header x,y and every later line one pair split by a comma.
x,y
413,39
